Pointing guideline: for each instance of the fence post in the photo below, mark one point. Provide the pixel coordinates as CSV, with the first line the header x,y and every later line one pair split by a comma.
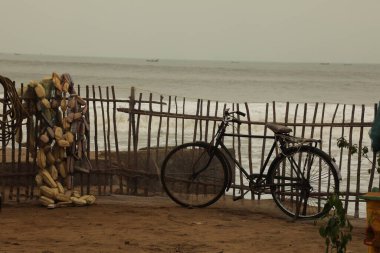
x,y
132,122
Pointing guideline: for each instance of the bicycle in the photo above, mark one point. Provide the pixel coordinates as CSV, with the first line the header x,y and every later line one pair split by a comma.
x,y
300,178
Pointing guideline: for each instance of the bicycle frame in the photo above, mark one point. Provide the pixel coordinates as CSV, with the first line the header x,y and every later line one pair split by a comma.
x,y
279,141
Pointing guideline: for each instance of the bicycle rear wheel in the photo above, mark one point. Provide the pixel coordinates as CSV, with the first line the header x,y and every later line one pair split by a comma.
x,y
194,175
301,181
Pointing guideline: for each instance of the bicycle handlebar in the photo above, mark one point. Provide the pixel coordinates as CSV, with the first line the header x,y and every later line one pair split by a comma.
x,y
228,116
239,113
227,113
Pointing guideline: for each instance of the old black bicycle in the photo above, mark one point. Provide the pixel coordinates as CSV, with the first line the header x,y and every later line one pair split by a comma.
x,y
300,178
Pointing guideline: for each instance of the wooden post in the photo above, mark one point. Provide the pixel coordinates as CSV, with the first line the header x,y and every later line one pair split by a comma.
x,y
88,136
349,161
148,142
96,139
108,140
4,144
167,126
356,214
116,139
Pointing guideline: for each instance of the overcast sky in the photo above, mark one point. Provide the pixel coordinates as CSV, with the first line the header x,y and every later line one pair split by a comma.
x,y
266,30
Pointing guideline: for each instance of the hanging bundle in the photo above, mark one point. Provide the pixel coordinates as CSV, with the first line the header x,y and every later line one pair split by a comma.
x,y
61,139
13,113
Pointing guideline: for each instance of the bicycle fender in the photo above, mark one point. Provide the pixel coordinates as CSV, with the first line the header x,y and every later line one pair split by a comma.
x,y
225,162
332,160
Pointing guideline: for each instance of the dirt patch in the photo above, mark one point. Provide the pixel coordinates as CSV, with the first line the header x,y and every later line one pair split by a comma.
x,y
155,224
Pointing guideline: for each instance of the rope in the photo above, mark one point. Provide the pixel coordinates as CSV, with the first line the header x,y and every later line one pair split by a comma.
x,y
12,114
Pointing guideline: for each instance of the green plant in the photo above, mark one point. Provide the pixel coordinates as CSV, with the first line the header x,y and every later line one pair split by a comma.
x,y
353,149
336,228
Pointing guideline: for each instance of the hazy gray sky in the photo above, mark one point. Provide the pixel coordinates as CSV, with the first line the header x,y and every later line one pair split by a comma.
x,y
266,30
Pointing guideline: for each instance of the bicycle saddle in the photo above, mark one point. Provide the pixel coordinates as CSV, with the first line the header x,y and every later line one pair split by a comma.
x,y
278,129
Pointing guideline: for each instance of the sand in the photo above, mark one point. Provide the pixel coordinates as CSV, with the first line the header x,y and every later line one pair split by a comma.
x,y
155,224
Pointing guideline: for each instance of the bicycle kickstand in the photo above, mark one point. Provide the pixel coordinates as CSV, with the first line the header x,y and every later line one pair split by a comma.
x,y
241,196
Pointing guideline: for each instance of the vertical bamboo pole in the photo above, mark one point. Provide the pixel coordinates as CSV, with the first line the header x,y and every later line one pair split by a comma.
x,y
3,144
147,168
168,126
286,113
295,120
183,120
158,136
322,121
215,114
265,134
239,155
19,157
320,165
234,149
136,165
132,123
200,121
311,136
88,136
207,121
176,121
341,150
274,120
96,140
330,140
13,165
104,140
81,174
108,140
133,137
304,120
136,137
295,134
349,160
314,119
331,128
249,140
34,168
196,121
356,215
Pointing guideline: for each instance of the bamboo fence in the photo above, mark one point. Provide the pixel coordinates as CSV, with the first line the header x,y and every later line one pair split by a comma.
x,y
129,138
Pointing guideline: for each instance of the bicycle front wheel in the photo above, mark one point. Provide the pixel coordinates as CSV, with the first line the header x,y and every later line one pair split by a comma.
x,y
194,175
301,181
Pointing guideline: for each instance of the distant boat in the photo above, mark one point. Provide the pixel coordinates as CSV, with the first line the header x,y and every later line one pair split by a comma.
x,y
152,60
325,63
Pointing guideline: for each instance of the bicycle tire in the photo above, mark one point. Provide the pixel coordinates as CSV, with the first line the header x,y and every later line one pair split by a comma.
x,y
303,197
178,169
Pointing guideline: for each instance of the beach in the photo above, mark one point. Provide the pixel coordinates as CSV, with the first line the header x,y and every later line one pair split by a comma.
x,y
155,224
119,223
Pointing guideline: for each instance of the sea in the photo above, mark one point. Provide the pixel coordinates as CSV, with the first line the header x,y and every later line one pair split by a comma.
x,y
256,83
230,81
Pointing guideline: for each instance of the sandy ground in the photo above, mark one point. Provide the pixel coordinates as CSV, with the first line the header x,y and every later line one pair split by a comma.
x,y
155,224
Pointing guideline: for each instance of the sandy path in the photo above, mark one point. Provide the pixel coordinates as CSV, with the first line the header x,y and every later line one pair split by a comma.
x,y
155,224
